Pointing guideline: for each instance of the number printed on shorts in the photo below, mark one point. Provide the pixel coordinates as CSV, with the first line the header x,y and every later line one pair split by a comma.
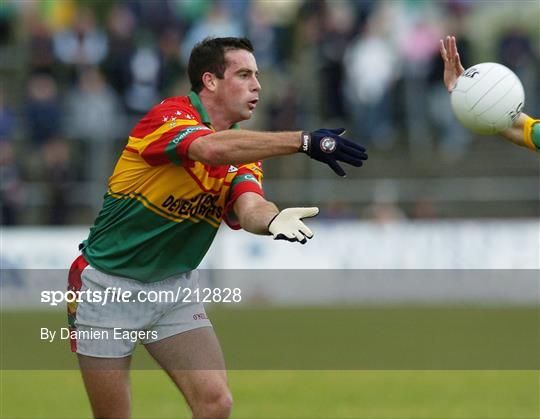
x,y
211,295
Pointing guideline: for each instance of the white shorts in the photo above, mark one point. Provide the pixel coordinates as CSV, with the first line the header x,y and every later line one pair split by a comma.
x,y
112,329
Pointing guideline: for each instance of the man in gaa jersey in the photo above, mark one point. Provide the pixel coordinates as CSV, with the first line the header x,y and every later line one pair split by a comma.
x,y
185,168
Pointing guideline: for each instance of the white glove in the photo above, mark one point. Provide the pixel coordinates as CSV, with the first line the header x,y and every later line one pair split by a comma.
x,y
288,225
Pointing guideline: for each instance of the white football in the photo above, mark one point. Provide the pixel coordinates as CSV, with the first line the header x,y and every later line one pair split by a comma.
x,y
487,98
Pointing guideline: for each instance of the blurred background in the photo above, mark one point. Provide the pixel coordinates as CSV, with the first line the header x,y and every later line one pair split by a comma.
x,y
77,75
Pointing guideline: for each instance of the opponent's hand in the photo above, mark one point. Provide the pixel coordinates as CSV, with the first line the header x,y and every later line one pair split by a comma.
x,y
288,225
328,146
452,63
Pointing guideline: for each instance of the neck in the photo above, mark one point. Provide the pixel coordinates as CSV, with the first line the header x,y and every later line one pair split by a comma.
x,y
220,121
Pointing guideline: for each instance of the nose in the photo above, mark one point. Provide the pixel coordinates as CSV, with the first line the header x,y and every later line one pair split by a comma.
x,y
256,85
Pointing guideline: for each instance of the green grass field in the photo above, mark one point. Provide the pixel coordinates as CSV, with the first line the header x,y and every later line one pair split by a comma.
x,y
297,394
312,363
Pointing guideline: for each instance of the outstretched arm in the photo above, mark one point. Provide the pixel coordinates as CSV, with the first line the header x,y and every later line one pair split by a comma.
x,y
524,129
240,146
525,132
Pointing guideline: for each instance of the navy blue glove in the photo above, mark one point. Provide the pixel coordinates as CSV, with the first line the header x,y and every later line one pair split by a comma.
x,y
328,146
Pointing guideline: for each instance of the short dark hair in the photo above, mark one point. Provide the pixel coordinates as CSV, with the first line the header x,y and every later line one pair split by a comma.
x,y
209,55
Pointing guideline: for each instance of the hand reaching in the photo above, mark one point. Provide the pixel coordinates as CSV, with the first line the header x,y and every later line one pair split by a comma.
x,y
452,63
328,146
288,225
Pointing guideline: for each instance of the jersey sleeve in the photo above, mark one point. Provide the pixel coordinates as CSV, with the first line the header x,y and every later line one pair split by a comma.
x,y
163,136
247,179
531,133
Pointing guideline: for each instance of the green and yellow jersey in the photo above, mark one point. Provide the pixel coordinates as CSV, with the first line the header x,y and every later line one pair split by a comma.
x,y
162,210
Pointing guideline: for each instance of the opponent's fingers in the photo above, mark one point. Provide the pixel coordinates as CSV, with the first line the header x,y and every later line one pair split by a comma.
x,y
334,165
442,50
455,53
447,46
452,47
458,66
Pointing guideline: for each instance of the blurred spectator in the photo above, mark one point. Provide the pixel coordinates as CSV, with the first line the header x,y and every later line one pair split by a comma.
x,y
40,45
145,70
55,15
95,118
217,22
42,109
120,31
7,20
516,51
11,186
425,209
384,208
153,16
58,177
383,213
305,59
418,45
262,34
85,44
338,30
191,11
284,110
337,211
7,120
372,66
171,65
92,109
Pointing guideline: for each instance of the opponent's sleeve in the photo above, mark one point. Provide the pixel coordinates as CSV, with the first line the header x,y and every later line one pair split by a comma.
x,y
163,136
248,179
531,133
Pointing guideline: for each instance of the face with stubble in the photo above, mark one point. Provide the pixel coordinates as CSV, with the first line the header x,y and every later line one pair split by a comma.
x,y
237,93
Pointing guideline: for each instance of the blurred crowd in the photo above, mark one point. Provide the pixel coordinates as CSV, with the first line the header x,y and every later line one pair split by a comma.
x,y
76,75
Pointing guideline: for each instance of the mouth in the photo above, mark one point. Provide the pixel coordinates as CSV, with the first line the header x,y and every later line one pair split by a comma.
x,y
252,104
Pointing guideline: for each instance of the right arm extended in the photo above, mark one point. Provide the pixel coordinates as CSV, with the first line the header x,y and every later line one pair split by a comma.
x,y
242,146
239,146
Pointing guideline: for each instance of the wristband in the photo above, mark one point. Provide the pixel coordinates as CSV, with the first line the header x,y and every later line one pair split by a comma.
x,y
531,133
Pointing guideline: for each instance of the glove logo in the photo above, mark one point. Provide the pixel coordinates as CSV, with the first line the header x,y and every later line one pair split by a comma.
x,y
305,142
328,145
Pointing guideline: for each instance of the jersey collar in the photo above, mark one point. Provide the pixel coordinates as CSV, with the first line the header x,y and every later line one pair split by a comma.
x,y
197,104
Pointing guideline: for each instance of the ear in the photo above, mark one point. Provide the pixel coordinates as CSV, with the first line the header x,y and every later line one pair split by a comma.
x,y
209,81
